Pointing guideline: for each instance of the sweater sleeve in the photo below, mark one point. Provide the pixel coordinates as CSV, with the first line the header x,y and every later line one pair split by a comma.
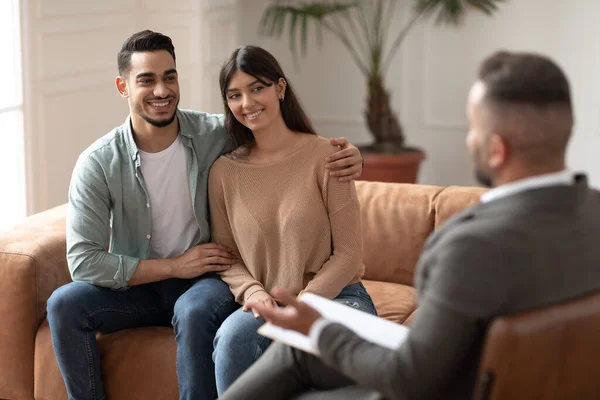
x,y
345,262
241,283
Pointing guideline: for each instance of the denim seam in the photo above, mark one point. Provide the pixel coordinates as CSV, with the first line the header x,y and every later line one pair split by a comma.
x,y
259,349
222,304
91,314
88,348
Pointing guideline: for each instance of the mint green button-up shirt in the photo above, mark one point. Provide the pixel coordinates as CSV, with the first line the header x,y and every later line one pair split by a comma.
x,y
110,206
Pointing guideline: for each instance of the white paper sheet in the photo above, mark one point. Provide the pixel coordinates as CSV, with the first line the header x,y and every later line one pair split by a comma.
x,y
367,326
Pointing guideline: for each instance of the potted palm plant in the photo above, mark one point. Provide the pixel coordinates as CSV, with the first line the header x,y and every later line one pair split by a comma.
x,y
364,27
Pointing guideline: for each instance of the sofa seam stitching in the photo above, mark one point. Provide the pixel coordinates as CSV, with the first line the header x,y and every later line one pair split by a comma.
x,y
434,202
18,253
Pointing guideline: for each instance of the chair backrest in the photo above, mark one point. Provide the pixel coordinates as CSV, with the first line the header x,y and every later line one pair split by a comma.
x,y
550,353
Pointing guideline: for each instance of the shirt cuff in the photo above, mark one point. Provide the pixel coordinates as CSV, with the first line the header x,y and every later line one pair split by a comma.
x,y
315,331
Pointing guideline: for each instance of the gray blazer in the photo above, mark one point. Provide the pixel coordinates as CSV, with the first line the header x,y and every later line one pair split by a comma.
x,y
521,252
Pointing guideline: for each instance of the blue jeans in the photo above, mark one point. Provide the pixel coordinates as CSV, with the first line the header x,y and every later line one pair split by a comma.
x,y
238,345
195,309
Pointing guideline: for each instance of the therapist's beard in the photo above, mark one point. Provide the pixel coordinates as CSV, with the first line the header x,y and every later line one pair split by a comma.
x,y
482,174
483,178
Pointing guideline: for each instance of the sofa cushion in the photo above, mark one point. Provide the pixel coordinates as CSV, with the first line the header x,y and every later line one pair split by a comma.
x,y
48,382
408,321
453,200
396,220
136,364
393,301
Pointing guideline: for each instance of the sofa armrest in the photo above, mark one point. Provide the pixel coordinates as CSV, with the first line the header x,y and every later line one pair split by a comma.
x,y
32,265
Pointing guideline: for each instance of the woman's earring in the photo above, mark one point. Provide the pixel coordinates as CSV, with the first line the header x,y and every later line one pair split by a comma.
x,y
281,99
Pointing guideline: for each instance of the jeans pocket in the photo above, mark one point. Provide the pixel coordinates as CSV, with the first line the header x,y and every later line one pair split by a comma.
x,y
366,299
356,296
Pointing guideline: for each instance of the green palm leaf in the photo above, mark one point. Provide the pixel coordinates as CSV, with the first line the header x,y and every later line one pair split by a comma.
x,y
298,16
368,45
364,27
451,11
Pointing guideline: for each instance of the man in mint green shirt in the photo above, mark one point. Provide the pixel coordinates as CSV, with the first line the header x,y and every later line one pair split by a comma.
x,y
138,236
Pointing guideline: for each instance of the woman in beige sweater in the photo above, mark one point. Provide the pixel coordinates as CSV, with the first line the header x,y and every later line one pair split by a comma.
x,y
271,200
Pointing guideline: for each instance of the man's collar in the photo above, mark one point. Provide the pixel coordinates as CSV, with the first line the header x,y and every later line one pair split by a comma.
x,y
132,148
564,177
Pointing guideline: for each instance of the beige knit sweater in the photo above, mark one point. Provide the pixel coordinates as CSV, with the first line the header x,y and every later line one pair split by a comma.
x,y
292,225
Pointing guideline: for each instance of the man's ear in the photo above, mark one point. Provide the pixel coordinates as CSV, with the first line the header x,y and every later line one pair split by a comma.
x,y
498,150
122,88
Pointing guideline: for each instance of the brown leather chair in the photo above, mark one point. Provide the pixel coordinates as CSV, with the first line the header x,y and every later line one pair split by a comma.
x,y
550,353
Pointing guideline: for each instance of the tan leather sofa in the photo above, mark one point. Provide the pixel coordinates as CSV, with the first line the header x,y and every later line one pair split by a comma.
x,y
140,363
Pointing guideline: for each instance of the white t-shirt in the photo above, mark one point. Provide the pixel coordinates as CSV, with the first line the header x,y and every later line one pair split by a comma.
x,y
173,223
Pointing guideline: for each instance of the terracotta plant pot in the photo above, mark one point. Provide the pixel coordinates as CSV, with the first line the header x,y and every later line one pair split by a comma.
x,y
399,168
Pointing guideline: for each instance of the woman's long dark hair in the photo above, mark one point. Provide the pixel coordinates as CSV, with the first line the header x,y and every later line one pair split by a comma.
x,y
260,64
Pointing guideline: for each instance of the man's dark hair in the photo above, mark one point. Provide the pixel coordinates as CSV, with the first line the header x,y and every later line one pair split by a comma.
x,y
140,42
524,78
529,103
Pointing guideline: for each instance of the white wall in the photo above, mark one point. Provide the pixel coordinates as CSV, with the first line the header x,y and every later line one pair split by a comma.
x,y
70,49
430,77
69,65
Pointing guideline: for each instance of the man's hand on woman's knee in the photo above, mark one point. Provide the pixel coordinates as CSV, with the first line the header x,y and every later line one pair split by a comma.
x,y
201,259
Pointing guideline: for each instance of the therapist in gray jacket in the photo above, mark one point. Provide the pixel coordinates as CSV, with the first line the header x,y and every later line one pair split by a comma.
x,y
532,242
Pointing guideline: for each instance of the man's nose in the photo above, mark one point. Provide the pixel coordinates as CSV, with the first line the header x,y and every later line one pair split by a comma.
x,y
160,90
